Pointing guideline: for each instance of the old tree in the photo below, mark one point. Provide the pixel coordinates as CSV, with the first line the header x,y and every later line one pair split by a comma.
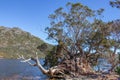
x,y
81,40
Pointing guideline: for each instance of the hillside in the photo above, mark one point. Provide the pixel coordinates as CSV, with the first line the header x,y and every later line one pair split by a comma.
x,y
15,41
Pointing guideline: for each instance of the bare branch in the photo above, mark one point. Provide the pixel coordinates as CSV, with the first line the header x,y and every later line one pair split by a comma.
x,y
25,60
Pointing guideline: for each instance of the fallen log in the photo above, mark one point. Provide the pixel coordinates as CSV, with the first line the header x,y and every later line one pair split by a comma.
x,y
67,68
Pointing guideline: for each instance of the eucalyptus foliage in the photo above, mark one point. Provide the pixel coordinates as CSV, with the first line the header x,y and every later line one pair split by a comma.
x,y
80,34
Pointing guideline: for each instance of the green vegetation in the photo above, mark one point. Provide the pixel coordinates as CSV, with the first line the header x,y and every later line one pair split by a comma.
x,y
81,35
14,41
117,70
82,39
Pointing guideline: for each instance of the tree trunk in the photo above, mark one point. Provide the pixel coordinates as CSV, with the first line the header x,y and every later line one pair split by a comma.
x,y
66,68
39,65
51,72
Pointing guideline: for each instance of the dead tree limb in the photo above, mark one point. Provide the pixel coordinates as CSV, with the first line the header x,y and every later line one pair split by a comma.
x,y
51,72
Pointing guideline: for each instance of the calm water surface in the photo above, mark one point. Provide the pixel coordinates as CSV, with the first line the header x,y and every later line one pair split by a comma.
x,y
12,68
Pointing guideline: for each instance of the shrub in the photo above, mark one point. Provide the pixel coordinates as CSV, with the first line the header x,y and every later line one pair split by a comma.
x,y
117,70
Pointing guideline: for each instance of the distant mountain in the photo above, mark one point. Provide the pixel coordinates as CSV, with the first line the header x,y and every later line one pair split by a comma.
x,y
15,41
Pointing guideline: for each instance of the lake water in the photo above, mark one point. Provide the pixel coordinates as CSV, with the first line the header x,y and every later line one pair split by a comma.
x,y
12,69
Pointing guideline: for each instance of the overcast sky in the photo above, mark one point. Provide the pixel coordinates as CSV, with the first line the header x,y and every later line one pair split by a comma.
x,y
32,15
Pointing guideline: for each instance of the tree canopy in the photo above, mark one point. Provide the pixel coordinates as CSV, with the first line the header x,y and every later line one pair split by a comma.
x,y
82,40
79,33
115,3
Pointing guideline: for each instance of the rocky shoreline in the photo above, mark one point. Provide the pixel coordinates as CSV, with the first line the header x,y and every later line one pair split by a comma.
x,y
97,76
112,76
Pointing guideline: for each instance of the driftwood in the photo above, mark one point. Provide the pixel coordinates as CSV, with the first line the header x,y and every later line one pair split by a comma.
x,y
67,68
71,68
51,72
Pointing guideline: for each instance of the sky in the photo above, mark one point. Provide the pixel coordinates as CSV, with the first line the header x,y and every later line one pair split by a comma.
x,y
32,15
